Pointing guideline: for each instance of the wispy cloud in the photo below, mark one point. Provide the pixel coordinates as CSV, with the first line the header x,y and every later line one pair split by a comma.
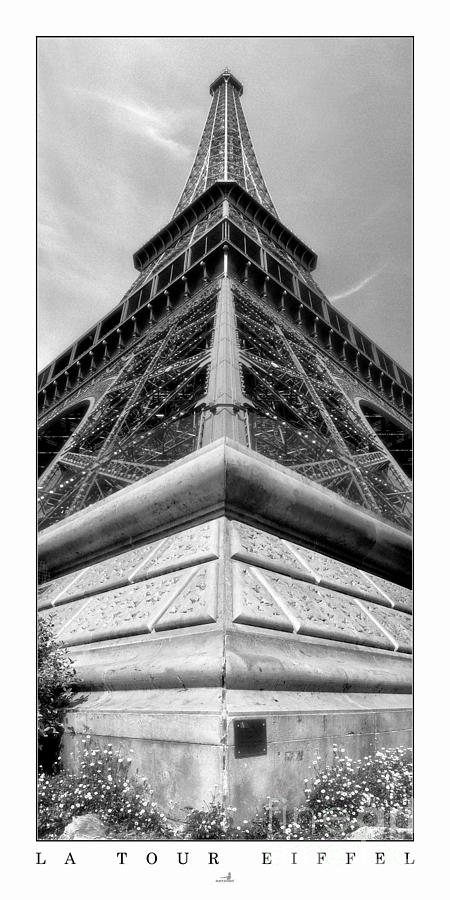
x,y
157,124
359,285
376,213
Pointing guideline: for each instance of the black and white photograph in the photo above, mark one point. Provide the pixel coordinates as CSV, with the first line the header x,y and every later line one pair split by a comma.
x,y
224,624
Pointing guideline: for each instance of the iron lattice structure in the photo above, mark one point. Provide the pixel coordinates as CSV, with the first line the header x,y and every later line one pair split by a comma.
x,y
302,418
225,281
146,416
226,151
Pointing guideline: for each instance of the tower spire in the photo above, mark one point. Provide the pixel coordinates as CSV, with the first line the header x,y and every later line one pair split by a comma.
x,y
225,151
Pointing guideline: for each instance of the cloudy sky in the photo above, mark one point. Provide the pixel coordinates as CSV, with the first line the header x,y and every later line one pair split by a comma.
x,y
119,124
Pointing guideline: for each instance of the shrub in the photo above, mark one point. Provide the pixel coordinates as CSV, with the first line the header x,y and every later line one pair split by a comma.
x,y
213,823
102,786
268,826
56,679
350,792
343,796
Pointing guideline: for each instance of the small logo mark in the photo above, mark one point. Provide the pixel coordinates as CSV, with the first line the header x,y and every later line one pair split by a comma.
x,y
226,878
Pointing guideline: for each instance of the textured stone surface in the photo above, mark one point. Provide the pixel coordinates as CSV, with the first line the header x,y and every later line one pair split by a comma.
x,y
398,596
321,612
137,564
183,657
377,833
114,569
84,828
324,568
182,771
300,728
397,624
50,592
196,604
262,597
185,597
171,553
282,555
262,545
253,604
259,659
60,616
135,607
168,714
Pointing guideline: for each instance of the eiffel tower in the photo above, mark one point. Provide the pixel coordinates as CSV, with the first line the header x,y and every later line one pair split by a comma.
x,y
225,504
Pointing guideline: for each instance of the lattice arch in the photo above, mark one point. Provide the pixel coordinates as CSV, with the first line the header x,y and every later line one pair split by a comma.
x,y
147,417
393,434
53,436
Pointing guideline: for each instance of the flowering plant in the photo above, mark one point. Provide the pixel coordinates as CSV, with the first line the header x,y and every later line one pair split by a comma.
x,y
350,793
102,786
215,822
341,797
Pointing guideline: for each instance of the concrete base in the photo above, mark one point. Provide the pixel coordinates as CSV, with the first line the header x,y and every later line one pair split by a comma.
x,y
180,740
191,619
303,727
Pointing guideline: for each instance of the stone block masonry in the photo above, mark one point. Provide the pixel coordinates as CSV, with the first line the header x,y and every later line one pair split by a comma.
x,y
180,639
